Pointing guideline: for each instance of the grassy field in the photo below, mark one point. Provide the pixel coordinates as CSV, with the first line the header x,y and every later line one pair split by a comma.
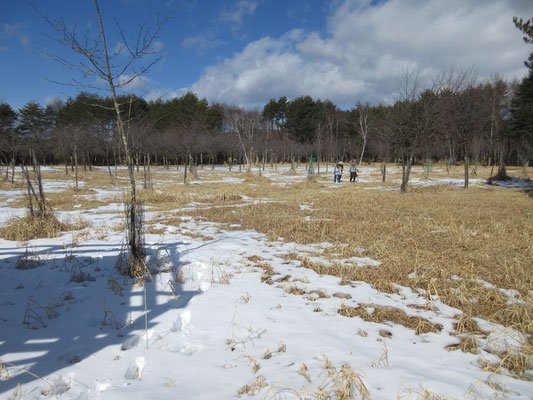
x,y
470,249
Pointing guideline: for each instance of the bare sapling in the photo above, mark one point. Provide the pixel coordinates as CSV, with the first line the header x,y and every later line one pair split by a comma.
x,y
364,127
35,197
406,172
116,69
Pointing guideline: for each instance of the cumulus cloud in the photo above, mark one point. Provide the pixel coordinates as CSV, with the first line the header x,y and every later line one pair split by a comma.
x,y
365,49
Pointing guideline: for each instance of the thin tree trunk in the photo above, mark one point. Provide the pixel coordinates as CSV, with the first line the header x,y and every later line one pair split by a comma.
x,y
406,171
136,266
41,202
30,190
467,162
76,166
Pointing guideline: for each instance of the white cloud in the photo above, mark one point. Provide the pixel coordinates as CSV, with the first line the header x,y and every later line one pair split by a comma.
x,y
14,31
236,15
51,99
367,47
164,95
137,84
202,43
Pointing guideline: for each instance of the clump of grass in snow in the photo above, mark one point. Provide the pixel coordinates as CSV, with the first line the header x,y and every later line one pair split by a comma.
x,y
42,226
339,383
28,260
467,344
408,393
466,324
382,314
253,388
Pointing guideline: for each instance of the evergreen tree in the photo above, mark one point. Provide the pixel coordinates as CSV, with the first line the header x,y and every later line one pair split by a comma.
x,y
522,105
303,114
527,29
8,118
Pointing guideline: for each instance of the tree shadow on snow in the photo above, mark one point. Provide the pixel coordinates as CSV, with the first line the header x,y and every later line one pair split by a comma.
x,y
70,303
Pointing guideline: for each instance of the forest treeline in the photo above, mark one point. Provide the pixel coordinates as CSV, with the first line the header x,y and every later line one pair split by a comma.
x,y
456,118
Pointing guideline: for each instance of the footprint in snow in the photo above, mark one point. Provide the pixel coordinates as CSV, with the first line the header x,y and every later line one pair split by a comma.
x,y
182,321
135,370
93,391
57,386
189,349
204,286
136,339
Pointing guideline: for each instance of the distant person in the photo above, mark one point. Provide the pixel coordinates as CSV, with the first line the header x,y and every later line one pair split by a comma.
x,y
337,172
353,172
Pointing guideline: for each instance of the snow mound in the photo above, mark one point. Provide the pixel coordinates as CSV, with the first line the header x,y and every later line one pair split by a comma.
x,y
182,321
135,370
505,340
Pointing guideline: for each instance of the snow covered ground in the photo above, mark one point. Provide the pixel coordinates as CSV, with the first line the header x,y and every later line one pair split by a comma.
x,y
207,327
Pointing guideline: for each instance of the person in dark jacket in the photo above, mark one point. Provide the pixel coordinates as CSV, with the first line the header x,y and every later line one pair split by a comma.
x,y
353,172
337,172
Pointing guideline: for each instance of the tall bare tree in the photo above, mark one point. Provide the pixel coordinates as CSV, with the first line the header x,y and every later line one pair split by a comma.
x,y
363,128
245,124
118,68
407,120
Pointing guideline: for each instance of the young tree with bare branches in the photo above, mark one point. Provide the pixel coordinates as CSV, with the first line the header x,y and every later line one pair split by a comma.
x,y
94,60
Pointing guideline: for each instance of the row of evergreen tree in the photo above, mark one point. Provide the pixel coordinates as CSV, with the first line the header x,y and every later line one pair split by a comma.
x,y
485,121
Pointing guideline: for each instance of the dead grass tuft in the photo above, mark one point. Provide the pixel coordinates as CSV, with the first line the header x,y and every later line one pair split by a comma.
x,y
42,226
155,231
466,324
268,272
304,372
342,295
467,344
321,294
380,314
292,289
408,393
253,388
254,258
384,333
344,383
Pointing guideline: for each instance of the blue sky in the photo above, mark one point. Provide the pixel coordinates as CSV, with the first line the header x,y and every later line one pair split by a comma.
x,y
245,52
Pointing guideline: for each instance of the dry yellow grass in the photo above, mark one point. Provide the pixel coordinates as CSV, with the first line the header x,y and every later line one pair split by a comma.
x,y
425,239
45,226
383,314
72,199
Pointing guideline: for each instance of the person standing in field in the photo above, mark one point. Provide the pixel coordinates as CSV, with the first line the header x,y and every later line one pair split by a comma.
x,y
353,172
337,172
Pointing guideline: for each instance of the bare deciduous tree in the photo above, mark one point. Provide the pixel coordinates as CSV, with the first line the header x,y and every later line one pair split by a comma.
x,y
245,124
363,112
117,69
